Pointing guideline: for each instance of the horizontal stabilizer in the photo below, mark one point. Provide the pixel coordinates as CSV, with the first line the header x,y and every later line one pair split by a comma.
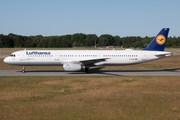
x,y
164,54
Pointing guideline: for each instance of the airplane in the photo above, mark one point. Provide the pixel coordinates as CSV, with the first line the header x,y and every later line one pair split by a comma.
x,y
77,60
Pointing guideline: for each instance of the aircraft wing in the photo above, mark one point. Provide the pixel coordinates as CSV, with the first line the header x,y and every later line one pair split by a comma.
x,y
87,62
92,61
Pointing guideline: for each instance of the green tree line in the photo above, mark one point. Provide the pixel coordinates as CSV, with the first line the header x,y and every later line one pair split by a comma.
x,y
79,40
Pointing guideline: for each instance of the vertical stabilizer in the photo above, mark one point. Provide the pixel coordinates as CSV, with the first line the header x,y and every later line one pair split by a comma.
x,y
159,42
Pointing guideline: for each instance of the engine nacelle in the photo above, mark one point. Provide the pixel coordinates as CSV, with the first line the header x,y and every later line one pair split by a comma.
x,y
72,67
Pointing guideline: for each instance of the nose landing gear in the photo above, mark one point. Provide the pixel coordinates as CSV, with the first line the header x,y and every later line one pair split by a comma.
x,y
23,70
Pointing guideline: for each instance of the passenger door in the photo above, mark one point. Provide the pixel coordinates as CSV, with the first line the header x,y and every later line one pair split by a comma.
x,y
56,58
22,56
143,56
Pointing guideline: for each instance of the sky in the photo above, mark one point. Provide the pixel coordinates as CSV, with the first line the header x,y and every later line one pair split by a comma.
x,y
114,17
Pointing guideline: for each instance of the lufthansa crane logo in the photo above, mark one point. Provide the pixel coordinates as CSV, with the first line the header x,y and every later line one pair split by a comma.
x,y
160,39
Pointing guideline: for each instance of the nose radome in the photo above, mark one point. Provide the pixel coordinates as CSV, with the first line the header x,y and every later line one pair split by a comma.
x,y
5,60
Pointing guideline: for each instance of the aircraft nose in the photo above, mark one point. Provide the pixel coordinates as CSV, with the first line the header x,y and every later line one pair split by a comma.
x,y
6,60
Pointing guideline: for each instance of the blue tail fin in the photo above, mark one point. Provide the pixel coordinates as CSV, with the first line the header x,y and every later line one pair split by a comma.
x,y
159,42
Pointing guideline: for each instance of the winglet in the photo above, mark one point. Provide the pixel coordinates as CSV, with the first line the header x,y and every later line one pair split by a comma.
x,y
159,42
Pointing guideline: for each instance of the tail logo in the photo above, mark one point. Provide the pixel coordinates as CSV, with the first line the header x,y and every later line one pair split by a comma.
x,y
160,39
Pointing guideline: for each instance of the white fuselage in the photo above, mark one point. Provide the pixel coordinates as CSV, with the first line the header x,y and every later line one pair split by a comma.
x,y
60,57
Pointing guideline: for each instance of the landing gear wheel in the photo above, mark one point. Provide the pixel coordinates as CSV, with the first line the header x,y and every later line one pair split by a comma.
x,y
23,70
87,70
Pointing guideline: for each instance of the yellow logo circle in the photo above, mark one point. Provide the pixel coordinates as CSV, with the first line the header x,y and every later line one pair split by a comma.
x,y
160,39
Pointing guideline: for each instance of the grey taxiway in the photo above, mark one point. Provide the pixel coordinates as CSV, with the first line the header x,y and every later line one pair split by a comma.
x,y
94,73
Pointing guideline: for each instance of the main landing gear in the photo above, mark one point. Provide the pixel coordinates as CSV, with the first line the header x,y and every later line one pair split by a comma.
x,y
23,70
87,69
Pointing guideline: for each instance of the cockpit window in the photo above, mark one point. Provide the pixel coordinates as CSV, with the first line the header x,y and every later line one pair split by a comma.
x,y
12,55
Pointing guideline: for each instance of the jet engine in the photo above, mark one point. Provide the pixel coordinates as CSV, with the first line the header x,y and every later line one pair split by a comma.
x,y
72,67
